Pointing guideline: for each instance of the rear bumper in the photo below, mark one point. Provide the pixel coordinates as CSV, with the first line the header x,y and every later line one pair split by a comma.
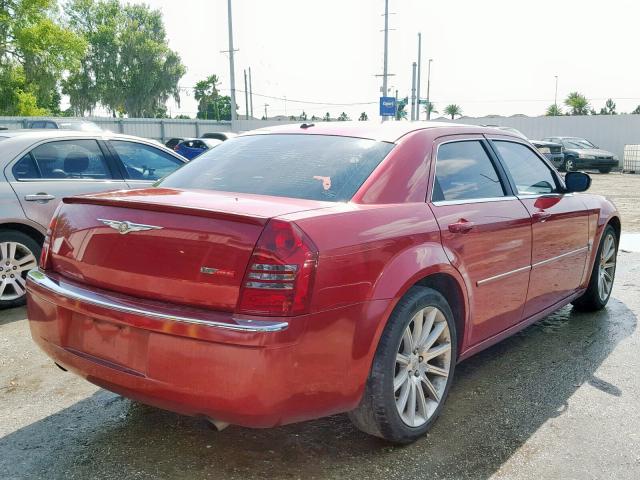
x,y
245,371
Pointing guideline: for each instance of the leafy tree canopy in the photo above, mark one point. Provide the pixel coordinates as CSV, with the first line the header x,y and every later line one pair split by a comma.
x,y
578,104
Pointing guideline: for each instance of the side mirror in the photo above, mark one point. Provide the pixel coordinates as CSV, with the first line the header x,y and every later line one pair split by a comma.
x,y
577,181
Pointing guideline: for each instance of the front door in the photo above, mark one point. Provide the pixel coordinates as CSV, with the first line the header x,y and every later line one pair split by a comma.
x,y
58,169
560,226
486,232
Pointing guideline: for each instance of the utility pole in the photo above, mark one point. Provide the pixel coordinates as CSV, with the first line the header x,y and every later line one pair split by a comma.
x,y
232,74
246,97
250,94
266,117
555,99
428,85
413,92
419,65
386,46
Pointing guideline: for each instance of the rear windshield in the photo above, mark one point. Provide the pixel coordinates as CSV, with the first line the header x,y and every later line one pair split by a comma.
x,y
314,167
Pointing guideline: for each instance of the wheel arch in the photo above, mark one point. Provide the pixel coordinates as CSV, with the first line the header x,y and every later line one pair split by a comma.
x,y
24,228
617,226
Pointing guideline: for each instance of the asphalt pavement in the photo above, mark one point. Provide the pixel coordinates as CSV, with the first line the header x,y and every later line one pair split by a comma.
x,y
561,399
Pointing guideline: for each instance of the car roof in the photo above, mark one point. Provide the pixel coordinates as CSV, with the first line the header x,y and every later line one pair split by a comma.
x,y
45,133
390,131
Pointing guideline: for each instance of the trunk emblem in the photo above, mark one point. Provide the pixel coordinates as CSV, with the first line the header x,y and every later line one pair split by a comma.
x,y
125,226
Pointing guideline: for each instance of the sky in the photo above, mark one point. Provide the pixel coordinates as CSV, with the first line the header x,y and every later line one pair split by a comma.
x,y
490,57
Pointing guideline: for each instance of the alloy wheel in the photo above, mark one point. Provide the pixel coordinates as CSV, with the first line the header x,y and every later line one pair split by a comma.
x,y
422,366
607,268
568,165
15,262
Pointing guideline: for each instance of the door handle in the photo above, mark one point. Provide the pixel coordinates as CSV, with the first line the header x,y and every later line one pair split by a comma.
x,y
540,216
461,226
39,197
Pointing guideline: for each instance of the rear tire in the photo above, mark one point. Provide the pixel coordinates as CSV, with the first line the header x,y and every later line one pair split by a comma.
x,y
412,369
602,274
19,253
569,164
604,170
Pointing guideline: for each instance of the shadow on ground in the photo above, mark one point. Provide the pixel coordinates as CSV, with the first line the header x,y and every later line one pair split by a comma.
x,y
499,399
9,315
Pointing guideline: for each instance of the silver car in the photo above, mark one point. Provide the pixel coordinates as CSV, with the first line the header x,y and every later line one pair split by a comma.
x,y
39,168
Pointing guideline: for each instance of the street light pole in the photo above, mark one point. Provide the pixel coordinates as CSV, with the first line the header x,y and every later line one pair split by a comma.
x,y
232,74
246,97
555,99
413,92
386,46
250,94
428,86
266,117
419,68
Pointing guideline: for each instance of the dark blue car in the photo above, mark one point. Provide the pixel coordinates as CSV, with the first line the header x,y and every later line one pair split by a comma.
x,y
192,147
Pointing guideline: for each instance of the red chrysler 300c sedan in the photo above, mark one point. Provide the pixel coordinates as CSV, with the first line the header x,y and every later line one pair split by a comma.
x,y
302,271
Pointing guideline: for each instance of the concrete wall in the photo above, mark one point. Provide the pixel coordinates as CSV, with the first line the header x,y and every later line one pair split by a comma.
x,y
159,129
610,132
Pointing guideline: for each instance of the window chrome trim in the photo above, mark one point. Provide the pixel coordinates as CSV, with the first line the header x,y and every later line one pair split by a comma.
x,y
440,203
558,257
500,276
74,293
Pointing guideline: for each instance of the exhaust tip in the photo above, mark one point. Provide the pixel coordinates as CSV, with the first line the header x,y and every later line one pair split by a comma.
x,y
60,367
217,424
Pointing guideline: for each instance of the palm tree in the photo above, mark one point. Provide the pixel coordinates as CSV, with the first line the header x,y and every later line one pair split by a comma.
x,y
578,104
401,113
553,110
363,117
303,116
453,110
327,117
343,117
429,108
636,111
609,108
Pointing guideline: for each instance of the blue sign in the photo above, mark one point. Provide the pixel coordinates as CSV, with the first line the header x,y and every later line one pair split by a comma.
x,y
387,106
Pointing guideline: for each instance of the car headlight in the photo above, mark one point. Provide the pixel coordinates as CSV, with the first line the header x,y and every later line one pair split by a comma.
x,y
544,149
586,157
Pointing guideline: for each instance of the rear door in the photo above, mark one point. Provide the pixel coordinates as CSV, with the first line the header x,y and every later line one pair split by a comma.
x,y
141,164
486,232
560,225
57,169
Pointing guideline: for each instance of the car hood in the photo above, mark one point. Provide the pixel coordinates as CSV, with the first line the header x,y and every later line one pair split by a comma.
x,y
596,152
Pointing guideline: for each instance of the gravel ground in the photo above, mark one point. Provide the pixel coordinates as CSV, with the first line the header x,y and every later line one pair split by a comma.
x,y
558,400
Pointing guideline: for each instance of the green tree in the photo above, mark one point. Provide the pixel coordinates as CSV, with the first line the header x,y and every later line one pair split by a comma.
x,y
401,112
314,118
453,110
578,104
182,116
327,117
429,108
36,51
553,110
609,108
363,117
129,67
212,105
343,117
303,116
636,111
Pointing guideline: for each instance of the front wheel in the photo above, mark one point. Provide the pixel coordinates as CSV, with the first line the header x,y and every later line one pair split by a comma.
x,y
412,369
604,170
569,164
602,275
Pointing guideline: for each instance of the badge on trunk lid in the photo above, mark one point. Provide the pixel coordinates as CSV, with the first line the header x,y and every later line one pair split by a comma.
x,y
125,226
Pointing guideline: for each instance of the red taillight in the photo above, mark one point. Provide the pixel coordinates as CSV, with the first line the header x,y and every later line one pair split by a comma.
x,y
279,277
44,263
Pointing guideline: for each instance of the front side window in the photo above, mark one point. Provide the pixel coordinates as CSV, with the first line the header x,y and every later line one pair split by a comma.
x,y
531,175
464,171
314,167
143,162
66,159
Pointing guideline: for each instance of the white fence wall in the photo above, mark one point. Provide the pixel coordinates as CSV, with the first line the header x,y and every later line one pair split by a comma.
x,y
159,129
610,132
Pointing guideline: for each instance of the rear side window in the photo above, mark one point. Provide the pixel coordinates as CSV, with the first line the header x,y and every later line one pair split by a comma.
x,y
143,162
531,175
67,159
314,167
464,171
